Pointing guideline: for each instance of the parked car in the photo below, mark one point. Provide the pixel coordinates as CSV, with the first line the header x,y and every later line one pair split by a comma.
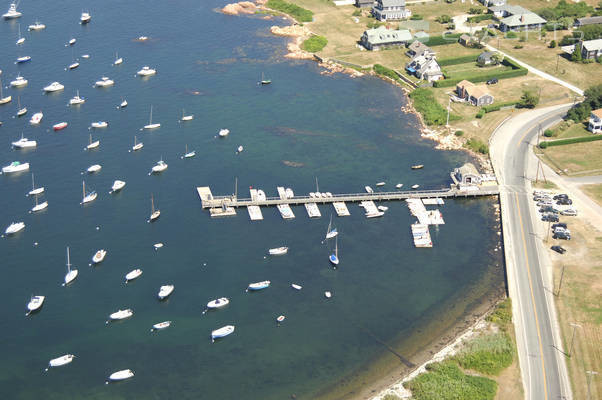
x,y
558,249
569,212
561,230
562,235
548,209
544,203
560,196
559,225
550,217
492,81
564,201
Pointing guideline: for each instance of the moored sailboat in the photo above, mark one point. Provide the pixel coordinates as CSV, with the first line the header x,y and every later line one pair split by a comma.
x,y
154,213
71,273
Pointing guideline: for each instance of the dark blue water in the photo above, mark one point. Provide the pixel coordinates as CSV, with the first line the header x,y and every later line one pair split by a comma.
x,y
346,132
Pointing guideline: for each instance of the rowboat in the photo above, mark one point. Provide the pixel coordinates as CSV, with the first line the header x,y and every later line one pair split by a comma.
x,y
120,375
222,332
258,285
60,361
161,325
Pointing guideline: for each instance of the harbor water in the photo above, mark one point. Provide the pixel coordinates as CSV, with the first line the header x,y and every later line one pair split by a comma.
x,y
347,132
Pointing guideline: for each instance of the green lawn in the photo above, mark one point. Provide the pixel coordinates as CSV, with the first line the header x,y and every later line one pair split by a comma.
x,y
594,191
471,69
576,158
569,129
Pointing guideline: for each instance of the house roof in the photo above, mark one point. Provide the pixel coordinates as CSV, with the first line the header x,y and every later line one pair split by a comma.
x,y
589,20
476,91
528,18
418,47
486,55
392,3
465,37
382,35
431,62
510,9
592,45
468,168
598,113
464,84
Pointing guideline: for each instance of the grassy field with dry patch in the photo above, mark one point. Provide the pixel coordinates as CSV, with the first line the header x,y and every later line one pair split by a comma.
x,y
578,158
594,192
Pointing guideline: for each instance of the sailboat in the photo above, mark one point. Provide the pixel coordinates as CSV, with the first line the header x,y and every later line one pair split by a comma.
x,y
34,191
188,154
71,273
154,213
265,81
92,145
21,39
150,122
330,232
334,258
20,111
4,100
186,117
123,103
87,197
118,60
137,145
39,207
74,64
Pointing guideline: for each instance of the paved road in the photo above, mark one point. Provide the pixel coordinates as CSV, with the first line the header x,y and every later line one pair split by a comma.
x,y
585,180
539,72
528,267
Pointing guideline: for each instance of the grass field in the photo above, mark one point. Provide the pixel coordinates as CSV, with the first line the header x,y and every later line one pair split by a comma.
x,y
471,69
576,158
569,129
594,192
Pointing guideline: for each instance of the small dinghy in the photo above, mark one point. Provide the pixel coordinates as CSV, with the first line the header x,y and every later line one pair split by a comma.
x,y
36,118
399,185
380,184
120,376
157,246
419,166
99,256
94,168
222,332
280,319
99,124
415,186
258,285
224,132
296,287
119,315
383,208
59,126
165,291
218,303
60,361
130,276
35,303
239,149
160,326
278,251
117,186
375,214
327,294
369,189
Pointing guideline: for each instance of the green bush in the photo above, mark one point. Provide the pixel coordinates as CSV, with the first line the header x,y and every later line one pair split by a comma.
x,y
384,71
300,14
374,24
488,354
479,18
562,142
552,44
511,35
444,19
459,133
457,60
518,46
475,10
477,145
416,17
357,13
446,381
543,145
502,315
529,99
548,133
432,112
499,106
314,44
480,114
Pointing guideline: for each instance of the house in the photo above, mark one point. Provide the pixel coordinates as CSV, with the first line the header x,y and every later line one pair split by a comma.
x,y
516,18
595,121
487,58
488,3
588,21
475,95
465,40
425,68
386,10
418,48
467,175
374,39
364,3
591,49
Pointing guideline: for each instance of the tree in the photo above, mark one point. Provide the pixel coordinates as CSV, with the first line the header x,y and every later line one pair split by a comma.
x,y
529,99
552,44
577,53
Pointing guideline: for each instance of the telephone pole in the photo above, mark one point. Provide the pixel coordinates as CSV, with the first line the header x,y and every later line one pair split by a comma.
x,y
575,326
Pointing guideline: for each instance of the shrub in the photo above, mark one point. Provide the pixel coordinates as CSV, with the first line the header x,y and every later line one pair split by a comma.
x,y
357,13
548,133
432,112
511,35
502,315
416,17
529,99
543,145
444,19
552,44
475,10
477,145
314,44
499,106
488,354
459,133
518,46
480,114
576,56
300,14
479,18
384,71
374,24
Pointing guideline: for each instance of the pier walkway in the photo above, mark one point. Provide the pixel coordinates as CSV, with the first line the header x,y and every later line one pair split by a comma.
x,y
229,202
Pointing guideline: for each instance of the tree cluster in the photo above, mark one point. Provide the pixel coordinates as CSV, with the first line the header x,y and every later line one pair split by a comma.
x,y
593,101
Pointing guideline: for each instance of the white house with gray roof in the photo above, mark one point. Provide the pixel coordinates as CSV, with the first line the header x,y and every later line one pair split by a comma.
x,y
375,39
425,68
591,49
387,10
516,18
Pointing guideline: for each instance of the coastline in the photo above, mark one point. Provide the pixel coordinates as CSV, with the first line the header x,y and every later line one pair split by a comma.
x,y
471,321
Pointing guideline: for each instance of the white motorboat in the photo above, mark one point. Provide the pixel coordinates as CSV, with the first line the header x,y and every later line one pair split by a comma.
x,y
130,276
14,228
23,59
99,256
19,81
54,87
375,214
382,208
224,132
76,100
415,186
188,154
296,287
185,117
21,39
146,71
85,18
331,232
34,304
137,145
123,104
71,273
161,325
38,26
369,189
35,191
92,145
36,118
239,149
88,197
99,124
15,166
24,143
142,38
334,258
278,251
154,213
150,124
165,291
73,65
159,167
218,303
71,42
419,166
380,184
86,56
280,318
4,100
104,82
59,126
258,285
94,168
221,332
399,185
157,246
120,375
60,361
119,315
117,186
118,60
12,12
40,206
327,294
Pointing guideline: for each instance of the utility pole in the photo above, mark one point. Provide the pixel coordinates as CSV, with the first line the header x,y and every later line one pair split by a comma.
x,y
575,326
448,107
557,59
560,283
589,375
549,229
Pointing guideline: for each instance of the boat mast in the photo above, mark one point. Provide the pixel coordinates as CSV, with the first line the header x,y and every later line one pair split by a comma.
x,y
151,116
336,247
152,204
68,261
33,186
84,190
329,225
317,188
236,187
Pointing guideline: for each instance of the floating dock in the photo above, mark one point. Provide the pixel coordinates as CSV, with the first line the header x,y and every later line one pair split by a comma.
x,y
426,217
312,210
433,202
341,209
222,211
285,211
255,213
369,206
421,235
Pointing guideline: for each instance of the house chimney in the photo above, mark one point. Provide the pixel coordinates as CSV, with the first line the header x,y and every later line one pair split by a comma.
x,y
522,18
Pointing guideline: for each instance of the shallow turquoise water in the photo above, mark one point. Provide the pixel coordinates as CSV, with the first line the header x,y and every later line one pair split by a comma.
x,y
347,132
